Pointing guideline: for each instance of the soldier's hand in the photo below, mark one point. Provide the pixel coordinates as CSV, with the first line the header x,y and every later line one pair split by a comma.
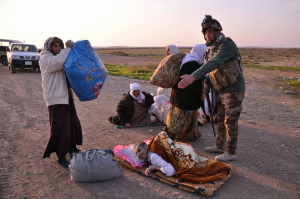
x,y
128,125
186,81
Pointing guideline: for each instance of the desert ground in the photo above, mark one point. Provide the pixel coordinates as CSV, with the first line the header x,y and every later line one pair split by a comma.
x,y
268,142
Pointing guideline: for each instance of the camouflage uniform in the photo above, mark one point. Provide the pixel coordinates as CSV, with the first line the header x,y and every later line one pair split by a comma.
x,y
229,98
229,107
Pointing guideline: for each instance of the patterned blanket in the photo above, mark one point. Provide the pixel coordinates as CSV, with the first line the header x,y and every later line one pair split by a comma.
x,y
193,173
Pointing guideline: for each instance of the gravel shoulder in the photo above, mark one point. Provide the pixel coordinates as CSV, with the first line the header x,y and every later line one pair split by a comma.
x,y
268,147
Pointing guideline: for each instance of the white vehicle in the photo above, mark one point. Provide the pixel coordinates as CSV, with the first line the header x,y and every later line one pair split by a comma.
x,y
20,55
4,43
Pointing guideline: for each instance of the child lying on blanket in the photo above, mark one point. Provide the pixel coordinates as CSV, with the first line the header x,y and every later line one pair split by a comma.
x,y
157,163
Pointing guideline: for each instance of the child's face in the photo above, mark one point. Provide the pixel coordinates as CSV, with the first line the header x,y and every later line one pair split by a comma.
x,y
142,152
56,48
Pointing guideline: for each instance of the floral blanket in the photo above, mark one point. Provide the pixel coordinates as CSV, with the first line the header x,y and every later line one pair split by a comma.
x,y
193,173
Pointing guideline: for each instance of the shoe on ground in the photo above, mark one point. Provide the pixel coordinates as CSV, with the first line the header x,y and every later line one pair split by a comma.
x,y
63,162
225,157
214,149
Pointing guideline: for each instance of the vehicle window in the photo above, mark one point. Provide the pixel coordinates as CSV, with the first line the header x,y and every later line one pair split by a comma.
x,y
4,43
25,48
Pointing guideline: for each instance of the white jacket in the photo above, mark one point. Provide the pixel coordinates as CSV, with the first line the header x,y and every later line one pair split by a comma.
x,y
54,83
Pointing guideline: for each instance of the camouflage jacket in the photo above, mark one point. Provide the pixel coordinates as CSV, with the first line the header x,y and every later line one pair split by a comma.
x,y
225,52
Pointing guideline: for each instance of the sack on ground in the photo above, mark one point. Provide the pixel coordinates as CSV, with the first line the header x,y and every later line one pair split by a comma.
x,y
159,100
157,112
167,73
159,91
201,117
165,109
94,165
85,71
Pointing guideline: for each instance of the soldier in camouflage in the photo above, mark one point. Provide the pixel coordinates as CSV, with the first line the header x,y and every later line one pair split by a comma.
x,y
224,65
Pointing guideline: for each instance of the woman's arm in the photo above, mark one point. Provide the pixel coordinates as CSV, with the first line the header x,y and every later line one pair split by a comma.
x,y
55,63
148,99
160,164
121,113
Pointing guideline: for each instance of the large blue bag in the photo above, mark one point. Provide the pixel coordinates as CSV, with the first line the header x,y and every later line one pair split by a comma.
x,y
85,71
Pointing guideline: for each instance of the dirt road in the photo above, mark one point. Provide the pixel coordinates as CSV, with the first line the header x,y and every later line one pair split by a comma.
x,y
268,147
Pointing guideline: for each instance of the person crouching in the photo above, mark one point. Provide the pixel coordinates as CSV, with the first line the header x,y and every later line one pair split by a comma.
x,y
133,108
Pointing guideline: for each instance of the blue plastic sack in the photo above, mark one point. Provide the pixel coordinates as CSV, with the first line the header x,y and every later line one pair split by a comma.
x,y
85,71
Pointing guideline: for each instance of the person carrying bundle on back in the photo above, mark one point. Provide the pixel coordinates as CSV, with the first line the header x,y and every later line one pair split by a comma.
x,y
182,119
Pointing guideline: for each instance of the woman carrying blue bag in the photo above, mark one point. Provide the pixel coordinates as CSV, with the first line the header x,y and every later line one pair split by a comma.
x,y
65,127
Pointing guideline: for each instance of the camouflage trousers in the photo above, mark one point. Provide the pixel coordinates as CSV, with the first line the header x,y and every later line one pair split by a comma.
x,y
229,107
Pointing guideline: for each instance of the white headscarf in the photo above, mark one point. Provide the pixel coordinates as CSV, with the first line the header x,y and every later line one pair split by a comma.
x,y
173,49
196,54
134,87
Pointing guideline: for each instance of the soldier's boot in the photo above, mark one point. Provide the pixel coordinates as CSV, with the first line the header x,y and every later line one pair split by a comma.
x,y
226,157
214,149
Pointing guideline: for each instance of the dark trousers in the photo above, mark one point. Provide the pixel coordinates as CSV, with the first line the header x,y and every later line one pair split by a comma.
x,y
65,129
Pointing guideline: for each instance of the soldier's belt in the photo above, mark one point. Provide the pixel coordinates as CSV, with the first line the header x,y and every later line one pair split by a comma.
x,y
226,73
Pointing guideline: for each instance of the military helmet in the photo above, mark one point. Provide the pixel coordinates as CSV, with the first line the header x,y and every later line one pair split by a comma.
x,y
209,22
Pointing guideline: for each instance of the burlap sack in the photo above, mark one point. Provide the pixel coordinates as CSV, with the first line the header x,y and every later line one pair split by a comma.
x,y
167,73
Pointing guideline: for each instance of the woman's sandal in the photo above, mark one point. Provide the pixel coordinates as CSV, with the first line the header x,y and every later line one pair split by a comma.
x,y
63,162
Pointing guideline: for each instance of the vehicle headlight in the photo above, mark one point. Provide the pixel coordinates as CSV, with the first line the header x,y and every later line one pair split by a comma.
x,y
15,57
37,57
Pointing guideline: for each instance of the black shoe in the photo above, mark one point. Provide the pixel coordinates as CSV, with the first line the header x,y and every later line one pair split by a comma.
x,y
63,162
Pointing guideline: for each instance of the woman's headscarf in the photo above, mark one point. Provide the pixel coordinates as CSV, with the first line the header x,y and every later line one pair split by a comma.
x,y
47,44
134,87
196,54
173,49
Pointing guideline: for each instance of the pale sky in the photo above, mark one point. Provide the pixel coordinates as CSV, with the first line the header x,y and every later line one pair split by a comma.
x,y
266,23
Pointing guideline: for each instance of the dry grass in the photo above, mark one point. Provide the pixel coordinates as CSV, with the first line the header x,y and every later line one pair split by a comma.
x,y
141,51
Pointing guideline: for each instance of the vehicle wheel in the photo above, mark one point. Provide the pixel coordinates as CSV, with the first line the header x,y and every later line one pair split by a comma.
x,y
4,61
12,68
39,69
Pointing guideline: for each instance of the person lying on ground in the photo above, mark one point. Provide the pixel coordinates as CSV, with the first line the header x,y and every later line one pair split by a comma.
x,y
171,49
65,127
133,108
179,160
157,163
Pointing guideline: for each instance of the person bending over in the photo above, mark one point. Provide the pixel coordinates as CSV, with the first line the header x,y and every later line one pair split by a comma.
x,y
182,118
156,162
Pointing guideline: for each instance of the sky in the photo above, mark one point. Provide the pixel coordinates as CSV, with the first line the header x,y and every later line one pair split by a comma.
x,y
262,23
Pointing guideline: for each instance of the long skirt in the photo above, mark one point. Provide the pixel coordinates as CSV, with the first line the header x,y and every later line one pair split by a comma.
x,y
65,128
141,114
182,124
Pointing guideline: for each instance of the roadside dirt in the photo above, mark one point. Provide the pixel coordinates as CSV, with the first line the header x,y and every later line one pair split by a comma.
x,y
268,142
129,61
